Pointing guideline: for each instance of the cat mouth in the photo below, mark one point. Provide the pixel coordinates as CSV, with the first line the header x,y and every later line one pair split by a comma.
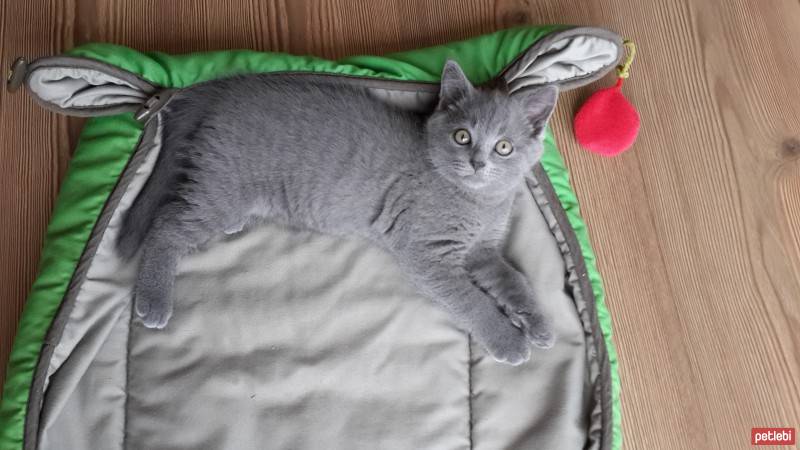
x,y
471,173
473,179
468,176
465,171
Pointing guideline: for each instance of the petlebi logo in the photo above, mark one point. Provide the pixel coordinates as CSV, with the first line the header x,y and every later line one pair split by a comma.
x,y
773,436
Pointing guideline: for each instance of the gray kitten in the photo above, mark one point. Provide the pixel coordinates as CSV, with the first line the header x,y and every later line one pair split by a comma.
x,y
435,189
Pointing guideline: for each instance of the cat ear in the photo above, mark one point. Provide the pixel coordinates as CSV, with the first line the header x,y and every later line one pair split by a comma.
x,y
454,85
539,104
82,87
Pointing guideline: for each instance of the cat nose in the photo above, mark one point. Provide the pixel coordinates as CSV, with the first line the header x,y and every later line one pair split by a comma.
x,y
477,164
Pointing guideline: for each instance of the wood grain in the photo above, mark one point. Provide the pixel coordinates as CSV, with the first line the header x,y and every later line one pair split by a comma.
x,y
697,230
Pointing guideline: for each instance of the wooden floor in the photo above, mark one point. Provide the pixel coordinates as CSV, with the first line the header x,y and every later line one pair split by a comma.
x,y
697,229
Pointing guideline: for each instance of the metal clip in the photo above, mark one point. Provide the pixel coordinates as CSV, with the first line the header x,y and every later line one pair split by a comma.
x,y
16,75
153,105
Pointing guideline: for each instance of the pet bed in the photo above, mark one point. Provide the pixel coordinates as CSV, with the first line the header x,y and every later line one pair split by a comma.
x,y
286,339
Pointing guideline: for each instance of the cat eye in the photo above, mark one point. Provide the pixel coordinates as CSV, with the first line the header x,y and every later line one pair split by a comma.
x,y
503,147
462,137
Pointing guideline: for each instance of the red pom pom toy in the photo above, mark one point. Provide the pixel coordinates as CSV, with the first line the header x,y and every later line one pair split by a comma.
x,y
607,123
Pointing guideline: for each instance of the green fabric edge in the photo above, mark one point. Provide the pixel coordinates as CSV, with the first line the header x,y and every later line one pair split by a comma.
x,y
106,144
553,164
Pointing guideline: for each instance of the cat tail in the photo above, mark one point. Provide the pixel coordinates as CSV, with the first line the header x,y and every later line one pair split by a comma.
x,y
139,217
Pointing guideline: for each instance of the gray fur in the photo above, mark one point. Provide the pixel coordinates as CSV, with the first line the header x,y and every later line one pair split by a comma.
x,y
329,157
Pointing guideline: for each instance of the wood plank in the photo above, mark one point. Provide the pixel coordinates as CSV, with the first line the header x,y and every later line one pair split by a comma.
x,y
33,158
691,233
697,230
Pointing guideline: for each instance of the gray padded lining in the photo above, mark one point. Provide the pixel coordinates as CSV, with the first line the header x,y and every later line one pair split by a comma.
x,y
84,87
272,346
568,58
69,87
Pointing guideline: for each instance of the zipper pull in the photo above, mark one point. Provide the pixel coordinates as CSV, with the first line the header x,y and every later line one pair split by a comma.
x,y
16,75
153,105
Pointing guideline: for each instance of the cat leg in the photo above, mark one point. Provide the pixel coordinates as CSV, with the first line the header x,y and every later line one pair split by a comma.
x,y
490,271
474,311
172,235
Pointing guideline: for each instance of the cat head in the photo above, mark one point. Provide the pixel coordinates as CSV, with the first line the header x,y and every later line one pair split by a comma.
x,y
485,139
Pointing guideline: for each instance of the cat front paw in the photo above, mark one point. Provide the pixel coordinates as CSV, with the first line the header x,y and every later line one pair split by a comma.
x,y
508,345
538,329
155,313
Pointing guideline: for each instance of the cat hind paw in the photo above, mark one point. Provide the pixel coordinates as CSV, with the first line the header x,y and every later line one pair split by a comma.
x,y
509,346
536,327
154,314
